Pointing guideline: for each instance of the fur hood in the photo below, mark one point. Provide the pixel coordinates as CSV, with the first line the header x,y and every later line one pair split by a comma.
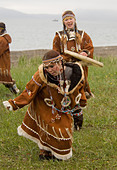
x,y
41,74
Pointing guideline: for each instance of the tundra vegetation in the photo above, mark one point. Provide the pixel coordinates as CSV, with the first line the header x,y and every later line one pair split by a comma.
x,y
94,146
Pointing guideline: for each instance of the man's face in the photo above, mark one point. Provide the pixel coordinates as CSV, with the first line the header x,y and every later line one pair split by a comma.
x,y
53,68
69,22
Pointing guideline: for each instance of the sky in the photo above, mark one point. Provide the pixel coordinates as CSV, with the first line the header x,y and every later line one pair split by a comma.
x,y
56,6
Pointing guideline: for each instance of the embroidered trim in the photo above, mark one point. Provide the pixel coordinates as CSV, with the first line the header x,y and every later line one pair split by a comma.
x,y
55,132
49,102
61,133
38,120
68,111
68,15
78,114
53,59
82,34
68,132
66,101
21,132
45,130
36,81
28,91
44,127
64,150
14,102
77,99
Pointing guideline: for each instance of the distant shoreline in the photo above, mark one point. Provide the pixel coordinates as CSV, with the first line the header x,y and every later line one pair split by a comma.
x,y
102,51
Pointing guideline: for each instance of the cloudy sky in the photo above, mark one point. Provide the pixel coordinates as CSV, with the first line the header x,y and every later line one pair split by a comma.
x,y
57,6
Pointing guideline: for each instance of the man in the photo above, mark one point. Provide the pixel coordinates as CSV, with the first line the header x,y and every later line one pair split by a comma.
x,y
5,75
54,96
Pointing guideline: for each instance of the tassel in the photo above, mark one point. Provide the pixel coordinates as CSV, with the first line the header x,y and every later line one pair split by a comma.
x,y
64,39
78,38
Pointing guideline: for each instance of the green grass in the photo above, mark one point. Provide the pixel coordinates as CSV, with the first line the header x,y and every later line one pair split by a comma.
x,y
94,147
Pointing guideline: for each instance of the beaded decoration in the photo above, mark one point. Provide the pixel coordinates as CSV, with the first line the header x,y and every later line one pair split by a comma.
x,y
53,60
66,101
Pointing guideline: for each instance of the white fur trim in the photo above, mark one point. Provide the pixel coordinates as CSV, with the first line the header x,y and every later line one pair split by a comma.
x,y
57,87
82,34
21,132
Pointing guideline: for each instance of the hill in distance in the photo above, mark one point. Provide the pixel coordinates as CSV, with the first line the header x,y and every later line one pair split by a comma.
x,y
91,15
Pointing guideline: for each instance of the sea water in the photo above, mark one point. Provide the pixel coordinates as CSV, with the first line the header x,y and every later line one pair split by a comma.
x,y
38,33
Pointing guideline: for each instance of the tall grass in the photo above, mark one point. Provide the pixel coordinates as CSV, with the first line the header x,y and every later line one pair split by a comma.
x,y
94,147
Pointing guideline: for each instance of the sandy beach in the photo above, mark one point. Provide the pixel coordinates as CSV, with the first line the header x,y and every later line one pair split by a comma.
x,y
103,51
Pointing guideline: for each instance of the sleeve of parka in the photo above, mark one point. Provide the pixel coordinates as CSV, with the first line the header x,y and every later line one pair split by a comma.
x,y
3,45
87,44
32,87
